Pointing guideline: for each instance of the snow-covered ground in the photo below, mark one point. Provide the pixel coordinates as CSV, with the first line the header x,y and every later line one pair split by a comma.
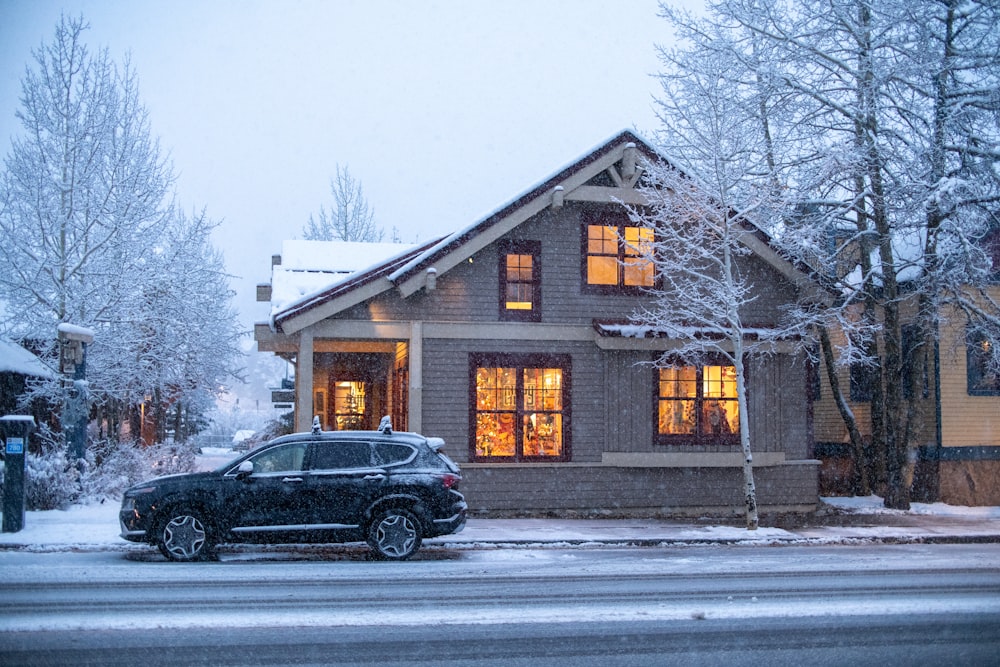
x,y
88,527
95,527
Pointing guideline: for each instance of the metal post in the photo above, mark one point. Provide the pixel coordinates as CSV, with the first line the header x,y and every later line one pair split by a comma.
x,y
73,341
15,430
77,410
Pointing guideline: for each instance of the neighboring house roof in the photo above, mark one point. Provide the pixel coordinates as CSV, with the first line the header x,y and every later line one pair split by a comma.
x,y
311,267
412,271
16,359
324,285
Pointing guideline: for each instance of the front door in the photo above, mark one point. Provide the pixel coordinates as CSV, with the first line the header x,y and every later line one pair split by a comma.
x,y
358,390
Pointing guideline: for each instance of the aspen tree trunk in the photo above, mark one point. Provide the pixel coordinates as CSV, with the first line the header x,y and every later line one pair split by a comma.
x,y
749,487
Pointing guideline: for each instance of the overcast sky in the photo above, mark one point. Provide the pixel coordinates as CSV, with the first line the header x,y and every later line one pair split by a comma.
x,y
443,110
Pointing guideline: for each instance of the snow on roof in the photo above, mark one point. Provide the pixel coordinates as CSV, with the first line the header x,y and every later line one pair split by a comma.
x,y
308,267
16,359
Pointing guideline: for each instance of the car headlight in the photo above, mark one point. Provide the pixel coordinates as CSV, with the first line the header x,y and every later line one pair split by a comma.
x,y
128,500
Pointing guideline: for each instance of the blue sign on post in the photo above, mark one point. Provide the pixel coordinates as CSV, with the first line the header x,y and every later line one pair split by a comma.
x,y
14,430
15,446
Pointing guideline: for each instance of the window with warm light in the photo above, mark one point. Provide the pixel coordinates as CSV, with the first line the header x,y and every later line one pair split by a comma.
x,y
520,411
697,404
349,405
617,256
520,282
983,376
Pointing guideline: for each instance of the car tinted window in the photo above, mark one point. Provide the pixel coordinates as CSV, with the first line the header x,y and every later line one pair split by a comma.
x,y
387,454
283,458
340,455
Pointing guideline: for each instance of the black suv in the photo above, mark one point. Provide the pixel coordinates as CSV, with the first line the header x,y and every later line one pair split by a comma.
x,y
389,489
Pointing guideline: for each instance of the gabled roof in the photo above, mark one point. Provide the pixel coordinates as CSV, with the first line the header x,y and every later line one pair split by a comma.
x,y
590,165
607,173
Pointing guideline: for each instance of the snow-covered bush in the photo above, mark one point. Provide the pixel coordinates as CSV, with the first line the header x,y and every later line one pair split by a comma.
x,y
53,481
170,458
50,480
113,467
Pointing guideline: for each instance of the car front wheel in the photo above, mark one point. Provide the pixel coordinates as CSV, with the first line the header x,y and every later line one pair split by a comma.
x,y
395,534
184,536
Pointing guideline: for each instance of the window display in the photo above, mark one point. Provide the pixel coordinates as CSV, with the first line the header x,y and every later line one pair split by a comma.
x,y
519,413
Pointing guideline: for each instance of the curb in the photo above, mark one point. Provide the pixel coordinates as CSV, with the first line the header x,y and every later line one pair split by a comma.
x,y
579,543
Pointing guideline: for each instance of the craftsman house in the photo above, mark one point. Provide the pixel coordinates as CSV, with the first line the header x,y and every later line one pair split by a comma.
x,y
505,339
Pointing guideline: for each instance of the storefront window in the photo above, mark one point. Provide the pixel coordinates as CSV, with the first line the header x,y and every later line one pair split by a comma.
x,y
520,412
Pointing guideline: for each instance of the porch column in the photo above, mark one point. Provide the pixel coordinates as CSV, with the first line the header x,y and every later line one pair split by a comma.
x,y
304,383
415,407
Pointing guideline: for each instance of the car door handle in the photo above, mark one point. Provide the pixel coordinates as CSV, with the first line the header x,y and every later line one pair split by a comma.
x,y
374,476
291,479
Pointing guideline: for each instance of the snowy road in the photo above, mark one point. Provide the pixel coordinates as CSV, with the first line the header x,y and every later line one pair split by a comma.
x,y
83,608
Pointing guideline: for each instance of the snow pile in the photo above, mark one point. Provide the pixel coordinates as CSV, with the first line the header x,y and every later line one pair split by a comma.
x,y
874,505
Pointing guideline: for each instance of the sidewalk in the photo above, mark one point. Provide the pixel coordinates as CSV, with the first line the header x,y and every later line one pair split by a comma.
x,y
839,521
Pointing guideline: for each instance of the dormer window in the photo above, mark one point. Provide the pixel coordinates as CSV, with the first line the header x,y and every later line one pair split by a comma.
x,y
615,255
520,281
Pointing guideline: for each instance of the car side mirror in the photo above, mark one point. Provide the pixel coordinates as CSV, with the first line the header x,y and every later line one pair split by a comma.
x,y
245,470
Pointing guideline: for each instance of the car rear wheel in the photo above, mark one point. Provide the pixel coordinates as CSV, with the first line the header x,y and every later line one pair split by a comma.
x,y
395,534
184,536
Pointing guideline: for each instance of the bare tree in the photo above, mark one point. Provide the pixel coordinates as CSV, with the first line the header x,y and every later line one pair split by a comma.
x,y
881,120
183,337
83,189
350,218
92,236
701,240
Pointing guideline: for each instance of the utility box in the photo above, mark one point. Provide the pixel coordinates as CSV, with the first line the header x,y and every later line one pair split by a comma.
x,y
15,431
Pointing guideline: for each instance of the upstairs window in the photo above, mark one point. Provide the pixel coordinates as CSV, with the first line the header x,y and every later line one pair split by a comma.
x,y
697,404
520,281
615,256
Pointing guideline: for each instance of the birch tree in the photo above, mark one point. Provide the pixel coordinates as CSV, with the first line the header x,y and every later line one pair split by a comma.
x,y
700,235
350,218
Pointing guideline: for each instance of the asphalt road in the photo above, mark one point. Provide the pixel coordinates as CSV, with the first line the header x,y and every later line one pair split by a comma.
x,y
913,605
